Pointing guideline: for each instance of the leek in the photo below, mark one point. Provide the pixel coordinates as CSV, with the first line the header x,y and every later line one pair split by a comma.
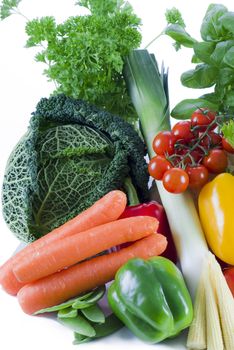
x,y
148,90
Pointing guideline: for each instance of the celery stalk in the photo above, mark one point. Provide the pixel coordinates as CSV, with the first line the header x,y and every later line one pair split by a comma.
x,y
149,94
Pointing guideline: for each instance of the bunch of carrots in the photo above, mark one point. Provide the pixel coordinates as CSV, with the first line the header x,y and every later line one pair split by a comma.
x,y
64,263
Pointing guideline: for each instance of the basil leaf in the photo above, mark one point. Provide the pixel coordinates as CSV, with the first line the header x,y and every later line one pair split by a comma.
x,y
94,313
229,57
211,28
97,294
112,324
227,21
202,76
226,76
79,324
185,108
195,59
67,313
178,33
203,50
218,55
229,98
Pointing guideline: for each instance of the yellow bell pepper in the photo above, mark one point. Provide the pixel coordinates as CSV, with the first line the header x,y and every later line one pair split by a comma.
x,y
216,210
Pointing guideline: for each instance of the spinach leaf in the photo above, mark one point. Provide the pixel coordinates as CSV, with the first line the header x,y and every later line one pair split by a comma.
x,y
178,33
202,76
79,324
94,313
211,28
185,108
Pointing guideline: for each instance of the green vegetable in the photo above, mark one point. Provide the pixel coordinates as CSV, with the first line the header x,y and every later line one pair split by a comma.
x,y
79,324
228,132
150,297
72,154
69,312
112,324
89,298
94,314
185,108
8,7
214,56
148,89
82,60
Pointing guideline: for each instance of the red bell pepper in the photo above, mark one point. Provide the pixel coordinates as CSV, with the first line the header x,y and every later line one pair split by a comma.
x,y
157,211
229,275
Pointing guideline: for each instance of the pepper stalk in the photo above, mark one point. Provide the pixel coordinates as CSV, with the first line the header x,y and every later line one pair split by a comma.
x,y
148,89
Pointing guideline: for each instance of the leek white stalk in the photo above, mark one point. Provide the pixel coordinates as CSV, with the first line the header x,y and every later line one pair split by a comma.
x,y
149,93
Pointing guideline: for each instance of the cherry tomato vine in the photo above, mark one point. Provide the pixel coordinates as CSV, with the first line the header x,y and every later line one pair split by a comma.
x,y
190,151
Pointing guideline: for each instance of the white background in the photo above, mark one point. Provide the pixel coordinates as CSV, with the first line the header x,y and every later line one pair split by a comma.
x,y
22,84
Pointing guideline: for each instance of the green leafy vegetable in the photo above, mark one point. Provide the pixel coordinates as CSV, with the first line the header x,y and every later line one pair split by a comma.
x,y
211,28
228,132
85,54
215,58
173,16
72,154
202,76
185,108
8,7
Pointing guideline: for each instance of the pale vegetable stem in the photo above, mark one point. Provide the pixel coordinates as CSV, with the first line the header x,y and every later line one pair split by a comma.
x,y
225,302
213,327
197,331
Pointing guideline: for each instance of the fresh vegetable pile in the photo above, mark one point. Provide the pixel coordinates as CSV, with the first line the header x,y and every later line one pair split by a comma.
x,y
76,186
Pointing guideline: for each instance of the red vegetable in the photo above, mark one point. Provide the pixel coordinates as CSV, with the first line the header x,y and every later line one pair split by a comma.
x,y
157,211
229,275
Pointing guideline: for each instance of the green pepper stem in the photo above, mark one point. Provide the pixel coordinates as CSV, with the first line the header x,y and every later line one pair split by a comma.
x,y
131,192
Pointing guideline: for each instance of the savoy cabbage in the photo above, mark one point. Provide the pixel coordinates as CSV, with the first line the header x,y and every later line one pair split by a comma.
x,y
72,154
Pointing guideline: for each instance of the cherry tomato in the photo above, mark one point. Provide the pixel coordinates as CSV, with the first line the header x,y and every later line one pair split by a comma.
x,y
195,156
164,143
229,275
198,176
182,130
227,146
216,161
201,118
158,166
175,180
212,139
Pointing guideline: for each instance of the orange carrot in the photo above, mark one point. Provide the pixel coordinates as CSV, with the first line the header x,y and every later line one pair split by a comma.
x,y
83,245
85,276
106,209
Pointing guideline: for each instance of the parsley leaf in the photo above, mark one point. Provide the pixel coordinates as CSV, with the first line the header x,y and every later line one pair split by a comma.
x,y
85,54
8,7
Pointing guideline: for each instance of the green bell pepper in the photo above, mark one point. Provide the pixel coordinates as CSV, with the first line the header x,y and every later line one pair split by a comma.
x,y
150,297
